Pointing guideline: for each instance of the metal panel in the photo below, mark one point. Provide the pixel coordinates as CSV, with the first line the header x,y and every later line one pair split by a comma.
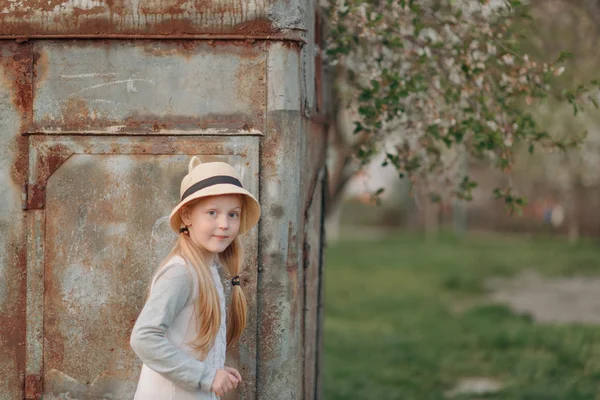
x,y
284,78
106,203
15,105
280,279
155,18
35,304
146,87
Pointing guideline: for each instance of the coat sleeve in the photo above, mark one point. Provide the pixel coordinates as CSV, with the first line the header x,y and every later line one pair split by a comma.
x,y
171,292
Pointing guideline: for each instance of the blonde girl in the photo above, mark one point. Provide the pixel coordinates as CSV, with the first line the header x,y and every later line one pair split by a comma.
x,y
183,331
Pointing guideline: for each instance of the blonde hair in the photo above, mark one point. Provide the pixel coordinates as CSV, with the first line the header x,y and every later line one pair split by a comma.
x,y
206,306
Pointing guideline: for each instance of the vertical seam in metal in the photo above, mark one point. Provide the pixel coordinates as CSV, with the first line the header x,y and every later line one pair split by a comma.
x,y
266,114
35,302
44,223
304,309
30,117
321,288
259,306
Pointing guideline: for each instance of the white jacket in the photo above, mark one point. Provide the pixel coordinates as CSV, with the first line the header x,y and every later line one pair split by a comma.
x,y
161,334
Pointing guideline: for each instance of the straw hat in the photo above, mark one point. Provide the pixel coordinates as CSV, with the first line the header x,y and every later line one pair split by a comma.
x,y
212,179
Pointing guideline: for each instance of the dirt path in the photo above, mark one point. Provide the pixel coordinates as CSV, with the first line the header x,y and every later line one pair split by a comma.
x,y
559,300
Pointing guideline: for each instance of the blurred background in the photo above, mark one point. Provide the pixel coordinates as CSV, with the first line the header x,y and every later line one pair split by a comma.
x,y
458,299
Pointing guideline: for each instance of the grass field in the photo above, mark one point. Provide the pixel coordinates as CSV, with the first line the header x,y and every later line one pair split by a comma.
x,y
392,329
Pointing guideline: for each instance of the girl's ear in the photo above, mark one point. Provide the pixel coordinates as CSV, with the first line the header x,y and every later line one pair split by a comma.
x,y
185,215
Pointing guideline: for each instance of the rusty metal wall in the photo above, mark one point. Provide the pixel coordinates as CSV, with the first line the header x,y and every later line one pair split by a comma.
x,y
94,134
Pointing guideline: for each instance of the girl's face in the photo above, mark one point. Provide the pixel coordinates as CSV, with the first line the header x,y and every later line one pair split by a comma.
x,y
213,222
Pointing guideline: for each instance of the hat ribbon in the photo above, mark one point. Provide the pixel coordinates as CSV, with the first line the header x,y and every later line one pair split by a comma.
x,y
213,180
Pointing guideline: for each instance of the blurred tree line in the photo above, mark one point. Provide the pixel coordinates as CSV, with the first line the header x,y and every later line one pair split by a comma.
x,y
573,26
433,85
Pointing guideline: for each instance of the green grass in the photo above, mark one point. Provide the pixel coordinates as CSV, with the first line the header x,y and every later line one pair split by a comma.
x,y
391,332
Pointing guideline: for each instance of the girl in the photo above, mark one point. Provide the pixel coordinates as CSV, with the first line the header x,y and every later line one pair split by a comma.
x,y
180,335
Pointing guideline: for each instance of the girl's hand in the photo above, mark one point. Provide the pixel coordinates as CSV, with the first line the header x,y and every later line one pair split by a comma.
x,y
223,382
234,372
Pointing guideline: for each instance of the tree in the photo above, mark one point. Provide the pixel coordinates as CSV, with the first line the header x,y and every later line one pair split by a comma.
x,y
434,80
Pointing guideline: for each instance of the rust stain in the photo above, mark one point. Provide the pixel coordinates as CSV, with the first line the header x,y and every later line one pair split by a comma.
x,y
33,387
293,45
51,158
20,14
157,123
15,76
202,5
187,48
260,26
172,26
96,10
166,17
81,119
54,348
164,7
46,5
40,71
95,26
116,6
17,64
271,148
12,317
36,197
20,165
75,112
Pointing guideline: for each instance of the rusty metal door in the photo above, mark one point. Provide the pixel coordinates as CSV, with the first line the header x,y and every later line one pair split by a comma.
x,y
98,215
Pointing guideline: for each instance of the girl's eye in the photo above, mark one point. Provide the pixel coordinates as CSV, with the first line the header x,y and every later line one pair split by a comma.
x,y
212,213
233,215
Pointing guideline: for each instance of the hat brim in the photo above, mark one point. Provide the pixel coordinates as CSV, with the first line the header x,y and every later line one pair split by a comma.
x,y
251,211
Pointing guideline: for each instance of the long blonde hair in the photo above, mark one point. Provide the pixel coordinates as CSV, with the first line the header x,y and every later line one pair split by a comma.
x,y
207,303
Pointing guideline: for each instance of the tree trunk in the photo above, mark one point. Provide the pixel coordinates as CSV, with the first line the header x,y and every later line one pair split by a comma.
x,y
332,222
570,196
429,211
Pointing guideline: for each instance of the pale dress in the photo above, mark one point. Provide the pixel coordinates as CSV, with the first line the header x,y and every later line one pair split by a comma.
x,y
165,325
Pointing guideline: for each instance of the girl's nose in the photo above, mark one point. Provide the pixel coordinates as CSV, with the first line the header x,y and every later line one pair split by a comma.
x,y
223,223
